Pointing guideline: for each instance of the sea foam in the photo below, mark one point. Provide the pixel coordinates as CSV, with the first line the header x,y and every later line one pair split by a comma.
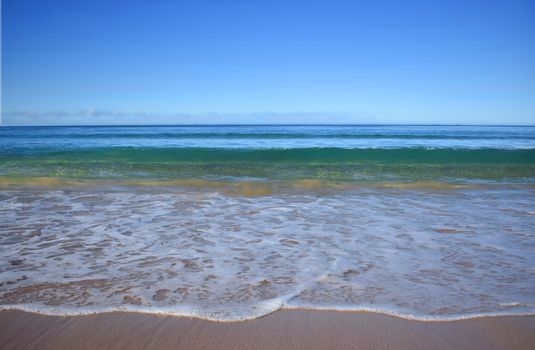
x,y
433,254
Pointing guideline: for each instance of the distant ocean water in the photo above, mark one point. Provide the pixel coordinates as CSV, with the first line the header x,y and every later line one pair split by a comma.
x,y
233,222
267,153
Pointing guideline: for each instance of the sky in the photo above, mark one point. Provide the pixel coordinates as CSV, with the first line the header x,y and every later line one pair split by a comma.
x,y
267,62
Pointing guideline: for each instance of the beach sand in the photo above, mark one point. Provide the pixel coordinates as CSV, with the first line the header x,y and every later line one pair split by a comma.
x,y
292,329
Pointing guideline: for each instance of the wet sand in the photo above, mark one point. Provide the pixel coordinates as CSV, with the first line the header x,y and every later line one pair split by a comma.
x,y
295,329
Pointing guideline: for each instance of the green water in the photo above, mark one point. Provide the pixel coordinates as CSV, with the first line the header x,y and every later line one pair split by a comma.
x,y
276,164
272,153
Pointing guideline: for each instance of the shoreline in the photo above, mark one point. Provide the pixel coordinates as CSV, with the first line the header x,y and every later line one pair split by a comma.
x,y
191,313
284,329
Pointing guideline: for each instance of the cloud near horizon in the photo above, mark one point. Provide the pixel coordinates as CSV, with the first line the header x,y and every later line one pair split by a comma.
x,y
111,117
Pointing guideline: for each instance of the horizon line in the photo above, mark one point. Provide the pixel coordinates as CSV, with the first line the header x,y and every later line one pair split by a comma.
x,y
264,124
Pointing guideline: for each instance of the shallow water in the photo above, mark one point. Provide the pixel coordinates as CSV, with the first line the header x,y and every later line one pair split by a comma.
x,y
419,253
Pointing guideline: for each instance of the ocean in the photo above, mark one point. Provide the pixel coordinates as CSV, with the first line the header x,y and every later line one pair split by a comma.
x,y
235,222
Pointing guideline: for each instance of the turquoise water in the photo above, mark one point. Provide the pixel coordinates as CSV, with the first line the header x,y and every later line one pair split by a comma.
x,y
266,153
235,222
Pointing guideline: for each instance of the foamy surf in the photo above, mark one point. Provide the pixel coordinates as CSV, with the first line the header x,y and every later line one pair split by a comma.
x,y
424,254
192,312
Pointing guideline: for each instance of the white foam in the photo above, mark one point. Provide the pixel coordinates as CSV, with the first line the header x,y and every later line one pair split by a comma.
x,y
192,312
426,255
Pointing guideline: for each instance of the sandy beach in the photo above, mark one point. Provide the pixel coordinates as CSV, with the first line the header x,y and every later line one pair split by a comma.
x,y
295,329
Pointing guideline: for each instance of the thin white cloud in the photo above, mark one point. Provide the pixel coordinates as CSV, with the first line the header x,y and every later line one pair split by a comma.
x,y
111,117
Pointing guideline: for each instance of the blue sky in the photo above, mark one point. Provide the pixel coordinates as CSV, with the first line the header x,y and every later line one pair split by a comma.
x,y
163,61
